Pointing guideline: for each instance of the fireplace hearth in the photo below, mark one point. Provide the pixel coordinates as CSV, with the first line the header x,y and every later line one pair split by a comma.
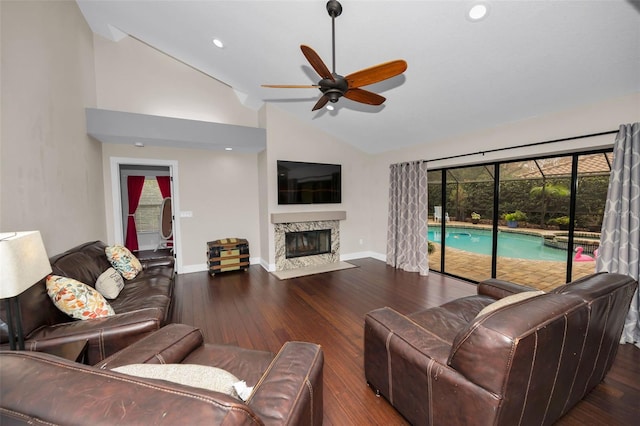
x,y
307,243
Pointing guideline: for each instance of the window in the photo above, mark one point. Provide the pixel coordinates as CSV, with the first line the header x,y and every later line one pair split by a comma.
x,y
148,213
546,227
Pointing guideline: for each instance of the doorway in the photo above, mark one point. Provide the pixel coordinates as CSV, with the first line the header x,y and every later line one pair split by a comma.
x,y
153,181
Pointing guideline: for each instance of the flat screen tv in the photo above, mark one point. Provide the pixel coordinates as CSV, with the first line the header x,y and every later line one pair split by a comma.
x,y
309,183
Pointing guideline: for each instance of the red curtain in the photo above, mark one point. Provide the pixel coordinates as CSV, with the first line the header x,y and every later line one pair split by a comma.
x,y
134,189
164,183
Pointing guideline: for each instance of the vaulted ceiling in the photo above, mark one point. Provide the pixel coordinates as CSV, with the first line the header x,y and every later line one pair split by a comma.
x,y
523,59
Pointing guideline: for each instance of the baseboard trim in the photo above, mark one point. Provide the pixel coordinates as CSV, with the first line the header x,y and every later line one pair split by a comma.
x,y
362,255
203,267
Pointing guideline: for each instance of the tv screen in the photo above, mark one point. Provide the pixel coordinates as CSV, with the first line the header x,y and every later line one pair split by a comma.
x,y
309,183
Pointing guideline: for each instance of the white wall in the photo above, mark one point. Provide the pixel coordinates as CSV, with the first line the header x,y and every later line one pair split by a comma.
x,y
50,170
289,139
588,119
133,77
219,188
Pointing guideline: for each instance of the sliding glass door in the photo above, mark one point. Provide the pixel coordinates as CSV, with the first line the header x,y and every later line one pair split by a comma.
x,y
535,221
533,194
463,222
591,194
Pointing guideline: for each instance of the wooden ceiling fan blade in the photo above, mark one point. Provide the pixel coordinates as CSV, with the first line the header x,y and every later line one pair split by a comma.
x,y
364,96
316,62
376,73
321,102
291,86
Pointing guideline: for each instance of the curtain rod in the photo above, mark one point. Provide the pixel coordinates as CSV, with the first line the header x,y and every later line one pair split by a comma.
x,y
522,146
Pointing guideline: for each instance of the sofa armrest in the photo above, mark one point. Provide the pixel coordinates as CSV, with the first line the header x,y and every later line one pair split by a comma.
x,y
105,335
169,345
498,288
39,388
407,364
290,391
156,262
386,329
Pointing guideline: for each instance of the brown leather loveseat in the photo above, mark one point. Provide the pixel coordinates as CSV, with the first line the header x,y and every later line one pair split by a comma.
x,y
525,363
143,305
39,388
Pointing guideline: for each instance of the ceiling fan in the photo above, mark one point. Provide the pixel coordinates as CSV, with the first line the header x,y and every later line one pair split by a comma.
x,y
333,86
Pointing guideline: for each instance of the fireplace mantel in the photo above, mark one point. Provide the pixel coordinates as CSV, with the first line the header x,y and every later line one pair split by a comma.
x,y
308,216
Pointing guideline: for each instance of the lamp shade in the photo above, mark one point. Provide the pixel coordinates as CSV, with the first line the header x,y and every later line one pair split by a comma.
x,y
23,262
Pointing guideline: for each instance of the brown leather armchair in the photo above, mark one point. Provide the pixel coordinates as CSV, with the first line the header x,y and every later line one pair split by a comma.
x,y
525,363
39,388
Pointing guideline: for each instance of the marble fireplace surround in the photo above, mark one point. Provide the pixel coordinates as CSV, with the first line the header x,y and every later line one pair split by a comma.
x,y
306,221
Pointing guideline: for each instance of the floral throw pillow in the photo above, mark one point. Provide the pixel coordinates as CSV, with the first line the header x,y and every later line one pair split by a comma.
x,y
76,299
123,261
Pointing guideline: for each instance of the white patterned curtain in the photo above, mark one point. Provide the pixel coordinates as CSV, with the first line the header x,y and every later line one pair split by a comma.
x,y
620,239
407,241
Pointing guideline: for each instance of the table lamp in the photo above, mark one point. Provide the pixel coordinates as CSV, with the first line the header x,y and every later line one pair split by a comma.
x,y
23,262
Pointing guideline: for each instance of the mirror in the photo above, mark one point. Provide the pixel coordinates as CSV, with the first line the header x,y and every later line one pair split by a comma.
x,y
166,222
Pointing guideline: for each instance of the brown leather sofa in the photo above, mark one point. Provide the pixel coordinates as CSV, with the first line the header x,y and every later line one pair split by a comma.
x,y
44,389
526,363
143,305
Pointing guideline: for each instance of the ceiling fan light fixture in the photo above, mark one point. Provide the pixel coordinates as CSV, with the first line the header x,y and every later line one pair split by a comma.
x,y
218,43
477,12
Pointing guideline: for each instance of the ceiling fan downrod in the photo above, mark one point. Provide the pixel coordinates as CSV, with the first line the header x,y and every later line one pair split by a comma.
x,y
335,9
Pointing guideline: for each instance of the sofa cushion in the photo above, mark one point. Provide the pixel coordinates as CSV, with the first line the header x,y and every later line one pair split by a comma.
x,y
509,300
199,376
76,299
447,320
123,261
76,265
110,283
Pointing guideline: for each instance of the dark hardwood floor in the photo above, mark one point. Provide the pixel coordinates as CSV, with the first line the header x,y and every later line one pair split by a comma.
x,y
256,310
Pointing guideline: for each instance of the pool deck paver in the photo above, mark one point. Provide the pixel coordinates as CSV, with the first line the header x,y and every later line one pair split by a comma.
x,y
541,274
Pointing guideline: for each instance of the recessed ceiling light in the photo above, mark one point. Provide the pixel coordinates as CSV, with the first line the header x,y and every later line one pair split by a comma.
x,y
330,107
218,43
138,144
478,11
228,149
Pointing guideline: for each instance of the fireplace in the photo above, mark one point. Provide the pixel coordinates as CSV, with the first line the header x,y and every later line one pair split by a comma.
x,y
307,243
317,238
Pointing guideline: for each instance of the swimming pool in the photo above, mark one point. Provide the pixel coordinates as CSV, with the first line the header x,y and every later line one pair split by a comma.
x,y
510,244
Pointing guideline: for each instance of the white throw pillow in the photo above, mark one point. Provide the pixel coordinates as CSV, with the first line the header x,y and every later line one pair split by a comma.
x,y
110,283
514,298
199,376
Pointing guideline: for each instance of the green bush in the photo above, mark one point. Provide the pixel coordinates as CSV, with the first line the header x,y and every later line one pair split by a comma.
x,y
516,216
559,221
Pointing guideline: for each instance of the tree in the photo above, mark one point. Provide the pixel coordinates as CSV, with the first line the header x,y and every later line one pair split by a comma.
x,y
546,193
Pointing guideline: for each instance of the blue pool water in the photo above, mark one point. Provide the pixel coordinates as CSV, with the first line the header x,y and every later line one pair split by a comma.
x,y
514,245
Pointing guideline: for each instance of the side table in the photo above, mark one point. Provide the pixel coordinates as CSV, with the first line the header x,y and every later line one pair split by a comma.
x,y
73,351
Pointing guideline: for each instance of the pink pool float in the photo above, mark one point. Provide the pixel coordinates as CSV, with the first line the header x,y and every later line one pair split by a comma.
x,y
579,257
